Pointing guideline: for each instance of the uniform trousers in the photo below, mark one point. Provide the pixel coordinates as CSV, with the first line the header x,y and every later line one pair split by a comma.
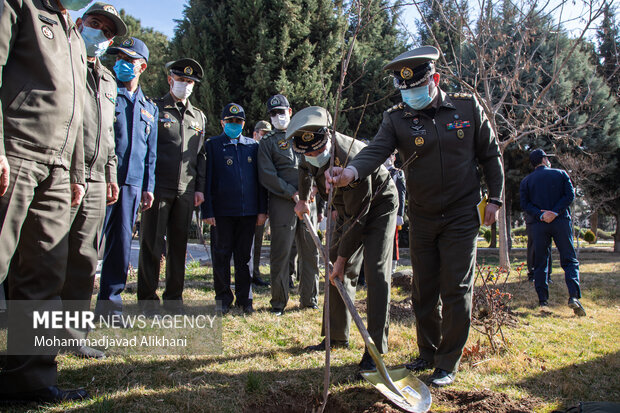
x,y
118,230
34,222
443,252
170,217
560,230
286,227
84,235
375,253
233,238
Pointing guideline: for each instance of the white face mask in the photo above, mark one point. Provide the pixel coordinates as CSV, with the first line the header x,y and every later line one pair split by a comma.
x,y
281,122
182,90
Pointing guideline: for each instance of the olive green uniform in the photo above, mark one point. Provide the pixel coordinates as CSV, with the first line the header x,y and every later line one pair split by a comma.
x,y
43,87
278,172
364,233
443,183
179,173
100,162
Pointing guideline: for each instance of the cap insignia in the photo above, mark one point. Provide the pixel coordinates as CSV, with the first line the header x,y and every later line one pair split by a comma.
x,y
406,73
110,9
234,109
188,71
307,136
128,43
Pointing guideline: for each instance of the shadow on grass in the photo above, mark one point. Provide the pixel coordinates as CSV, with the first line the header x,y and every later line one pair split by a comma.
x,y
574,383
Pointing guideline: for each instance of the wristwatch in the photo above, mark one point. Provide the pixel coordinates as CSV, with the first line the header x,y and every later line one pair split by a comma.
x,y
496,201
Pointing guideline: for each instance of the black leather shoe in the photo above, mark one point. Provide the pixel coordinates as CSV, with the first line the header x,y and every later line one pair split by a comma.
x,y
543,304
441,378
276,311
50,394
419,364
577,307
256,280
248,309
367,363
225,309
334,344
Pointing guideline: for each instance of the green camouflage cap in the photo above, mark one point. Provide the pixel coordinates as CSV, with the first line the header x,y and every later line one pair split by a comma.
x,y
109,11
262,125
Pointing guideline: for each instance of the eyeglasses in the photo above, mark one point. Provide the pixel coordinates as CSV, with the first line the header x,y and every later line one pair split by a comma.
x,y
276,112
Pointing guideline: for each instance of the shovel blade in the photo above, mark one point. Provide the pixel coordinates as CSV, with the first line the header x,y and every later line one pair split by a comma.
x,y
417,396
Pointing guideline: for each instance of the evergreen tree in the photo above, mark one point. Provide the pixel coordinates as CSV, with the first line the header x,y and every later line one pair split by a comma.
x,y
252,49
153,81
369,89
608,36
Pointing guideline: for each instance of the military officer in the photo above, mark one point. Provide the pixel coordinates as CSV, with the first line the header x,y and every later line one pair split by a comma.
x,y
279,174
98,26
364,229
442,138
135,136
235,203
179,186
260,129
42,92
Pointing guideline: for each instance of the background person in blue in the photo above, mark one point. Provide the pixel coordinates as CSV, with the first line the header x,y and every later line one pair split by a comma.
x,y
135,136
546,195
235,203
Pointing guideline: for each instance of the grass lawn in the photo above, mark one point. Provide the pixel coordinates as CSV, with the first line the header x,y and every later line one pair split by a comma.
x,y
553,359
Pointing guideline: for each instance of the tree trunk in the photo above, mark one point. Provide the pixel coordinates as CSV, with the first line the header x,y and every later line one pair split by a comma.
x,y
493,240
508,207
504,258
617,233
594,225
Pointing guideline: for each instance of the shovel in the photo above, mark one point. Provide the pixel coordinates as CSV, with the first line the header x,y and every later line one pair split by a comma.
x,y
399,384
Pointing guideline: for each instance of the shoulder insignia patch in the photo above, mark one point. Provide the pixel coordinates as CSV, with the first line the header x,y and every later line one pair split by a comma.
x,y
401,105
268,134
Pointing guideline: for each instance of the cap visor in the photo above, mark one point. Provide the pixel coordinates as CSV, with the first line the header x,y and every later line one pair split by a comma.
x,y
130,53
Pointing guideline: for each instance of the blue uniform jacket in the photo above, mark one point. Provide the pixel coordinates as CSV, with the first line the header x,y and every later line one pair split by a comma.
x,y
549,189
137,152
232,187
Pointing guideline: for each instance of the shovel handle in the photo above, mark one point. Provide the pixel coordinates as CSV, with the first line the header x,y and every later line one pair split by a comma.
x,y
370,345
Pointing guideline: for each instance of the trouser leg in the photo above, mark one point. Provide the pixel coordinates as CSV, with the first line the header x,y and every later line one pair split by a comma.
x,y
563,238
256,250
308,264
118,228
378,245
542,250
244,236
282,221
457,257
178,227
86,226
35,217
423,247
222,251
153,224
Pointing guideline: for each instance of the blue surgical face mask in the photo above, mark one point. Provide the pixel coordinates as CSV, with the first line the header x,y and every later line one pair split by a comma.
x,y
233,130
417,97
322,158
75,4
95,41
124,70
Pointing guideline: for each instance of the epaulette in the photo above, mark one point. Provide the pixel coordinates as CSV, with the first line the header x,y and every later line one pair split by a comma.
x,y
401,105
270,133
460,95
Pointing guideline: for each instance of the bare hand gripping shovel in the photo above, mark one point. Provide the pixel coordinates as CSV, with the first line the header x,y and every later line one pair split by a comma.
x,y
399,384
